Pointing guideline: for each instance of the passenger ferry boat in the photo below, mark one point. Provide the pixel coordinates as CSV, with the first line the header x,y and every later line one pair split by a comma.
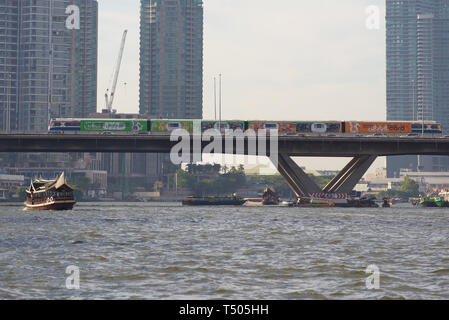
x,y
50,195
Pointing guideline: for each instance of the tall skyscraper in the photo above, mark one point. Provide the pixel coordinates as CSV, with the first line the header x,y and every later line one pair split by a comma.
x,y
48,65
418,72
85,41
171,66
171,58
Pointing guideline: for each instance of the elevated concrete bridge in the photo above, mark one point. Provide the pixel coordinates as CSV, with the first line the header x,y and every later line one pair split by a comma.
x,y
363,150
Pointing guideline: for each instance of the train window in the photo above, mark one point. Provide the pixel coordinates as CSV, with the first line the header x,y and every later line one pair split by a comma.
x,y
222,126
173,125
271,126
72,124
56,124
319,127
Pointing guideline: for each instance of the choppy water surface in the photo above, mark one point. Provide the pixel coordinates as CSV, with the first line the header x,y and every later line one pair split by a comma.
x,y
149,251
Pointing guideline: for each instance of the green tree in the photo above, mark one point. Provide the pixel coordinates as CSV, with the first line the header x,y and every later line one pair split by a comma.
x,y
278,183
410,187
206,180
321,181
82,183
21,192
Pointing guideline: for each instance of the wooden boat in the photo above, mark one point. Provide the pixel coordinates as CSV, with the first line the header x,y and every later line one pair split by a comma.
x,y
270,197
213,201
50,195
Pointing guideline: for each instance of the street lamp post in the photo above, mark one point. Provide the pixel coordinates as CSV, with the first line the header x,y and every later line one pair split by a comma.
x,y
219,103
215,97
413,99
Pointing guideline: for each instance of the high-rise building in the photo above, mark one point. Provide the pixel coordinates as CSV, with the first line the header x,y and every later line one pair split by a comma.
x,y
86,60
171,66
47,68
9,36
171,59
418,72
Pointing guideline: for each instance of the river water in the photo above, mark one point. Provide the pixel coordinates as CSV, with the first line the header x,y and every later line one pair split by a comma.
x,y
166,251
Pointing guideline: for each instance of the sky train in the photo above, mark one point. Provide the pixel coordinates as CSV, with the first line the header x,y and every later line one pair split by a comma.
x,y
162,126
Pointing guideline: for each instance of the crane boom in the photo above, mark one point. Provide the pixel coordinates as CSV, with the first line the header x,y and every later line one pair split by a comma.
x,y
110,97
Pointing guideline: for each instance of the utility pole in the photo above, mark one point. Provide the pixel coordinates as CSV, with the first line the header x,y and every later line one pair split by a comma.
x,y
215,97
415,118
219,122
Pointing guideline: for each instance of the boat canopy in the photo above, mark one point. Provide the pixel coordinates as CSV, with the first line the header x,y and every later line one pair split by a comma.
x,y
58,185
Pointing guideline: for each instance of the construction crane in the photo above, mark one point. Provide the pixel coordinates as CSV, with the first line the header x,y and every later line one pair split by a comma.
x,y
109,96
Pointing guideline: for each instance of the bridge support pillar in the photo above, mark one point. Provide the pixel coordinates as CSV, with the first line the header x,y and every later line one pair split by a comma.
x,y
296,178
302,185
348,178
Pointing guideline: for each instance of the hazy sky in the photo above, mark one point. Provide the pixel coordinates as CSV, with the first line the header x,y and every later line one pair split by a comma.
x,y
280,60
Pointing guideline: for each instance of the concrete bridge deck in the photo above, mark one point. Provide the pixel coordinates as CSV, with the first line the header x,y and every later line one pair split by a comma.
x,y
363,150
313,146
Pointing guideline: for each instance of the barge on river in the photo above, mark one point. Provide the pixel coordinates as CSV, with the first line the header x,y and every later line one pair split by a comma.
x,y
50,195
213,201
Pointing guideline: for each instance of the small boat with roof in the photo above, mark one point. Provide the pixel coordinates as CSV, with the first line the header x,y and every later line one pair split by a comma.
x,y
50,195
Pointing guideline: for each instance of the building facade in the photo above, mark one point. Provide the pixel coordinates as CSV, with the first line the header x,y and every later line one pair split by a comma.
x,y
418,72
48,65
171,68
171,59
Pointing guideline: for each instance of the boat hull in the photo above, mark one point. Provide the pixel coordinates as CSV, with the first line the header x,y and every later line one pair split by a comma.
x,y
52,206
212,202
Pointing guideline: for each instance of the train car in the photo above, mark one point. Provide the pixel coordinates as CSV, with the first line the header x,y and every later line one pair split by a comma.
x,y
297,127
315,127
391,128
429,128
167,126
161,126
282,127
224,125
114,126
366,127
62,126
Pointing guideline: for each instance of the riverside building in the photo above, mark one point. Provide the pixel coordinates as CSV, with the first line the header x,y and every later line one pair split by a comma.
x,y
171,67
418,72
48,61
